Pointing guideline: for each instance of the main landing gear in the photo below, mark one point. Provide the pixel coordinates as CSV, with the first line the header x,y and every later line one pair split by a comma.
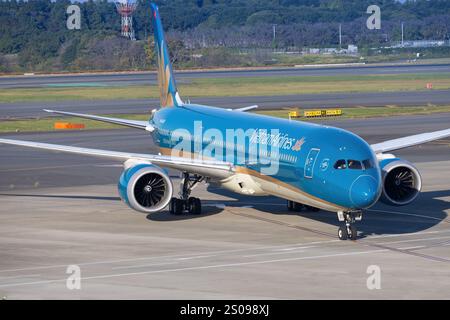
x,y
348,231
296,206
186,203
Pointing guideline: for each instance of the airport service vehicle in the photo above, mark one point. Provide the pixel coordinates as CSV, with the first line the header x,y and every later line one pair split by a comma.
x,y
310,165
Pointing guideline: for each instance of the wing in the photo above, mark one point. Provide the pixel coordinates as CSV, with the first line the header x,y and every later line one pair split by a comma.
x,y
215,169
409,141
144,125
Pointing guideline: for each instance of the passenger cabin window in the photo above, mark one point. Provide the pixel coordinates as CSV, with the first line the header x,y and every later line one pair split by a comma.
x,y
368,164
340,164
354,164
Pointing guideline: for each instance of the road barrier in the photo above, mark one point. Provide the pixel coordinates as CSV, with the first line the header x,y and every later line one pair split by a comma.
x,y
293,114
68,125
322,113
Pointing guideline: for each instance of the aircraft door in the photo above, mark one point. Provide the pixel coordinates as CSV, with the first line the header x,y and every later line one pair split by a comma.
x,y
310,162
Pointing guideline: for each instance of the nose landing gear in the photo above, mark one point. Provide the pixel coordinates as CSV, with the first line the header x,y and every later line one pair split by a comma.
x,y
348,231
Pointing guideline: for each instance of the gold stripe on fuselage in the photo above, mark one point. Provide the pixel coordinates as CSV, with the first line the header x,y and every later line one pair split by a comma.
x,y
245,170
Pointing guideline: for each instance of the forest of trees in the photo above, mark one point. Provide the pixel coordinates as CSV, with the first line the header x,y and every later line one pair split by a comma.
x,y
33,33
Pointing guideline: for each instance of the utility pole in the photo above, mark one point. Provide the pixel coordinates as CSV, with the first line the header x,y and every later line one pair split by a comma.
x,y
340,36
274,29
402,36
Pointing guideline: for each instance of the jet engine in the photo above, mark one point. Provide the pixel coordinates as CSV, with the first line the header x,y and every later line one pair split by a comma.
x,y
401,182
145,187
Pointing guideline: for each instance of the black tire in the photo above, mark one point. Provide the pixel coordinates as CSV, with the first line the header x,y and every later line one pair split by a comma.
x,y
176,206
194,205
172,205
353,233
312,209
290,205
342,233
298,206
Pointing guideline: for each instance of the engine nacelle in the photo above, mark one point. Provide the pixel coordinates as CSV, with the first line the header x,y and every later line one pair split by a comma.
x,y
401,182
145,187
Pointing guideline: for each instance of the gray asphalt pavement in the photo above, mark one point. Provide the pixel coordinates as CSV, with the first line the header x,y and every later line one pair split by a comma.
x,y
29,110
59,210
146,78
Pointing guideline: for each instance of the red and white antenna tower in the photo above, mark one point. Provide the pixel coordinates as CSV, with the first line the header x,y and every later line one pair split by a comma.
x,y
126,8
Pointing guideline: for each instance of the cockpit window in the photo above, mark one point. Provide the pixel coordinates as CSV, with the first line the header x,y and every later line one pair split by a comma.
x,y
354,164
340,164
368,164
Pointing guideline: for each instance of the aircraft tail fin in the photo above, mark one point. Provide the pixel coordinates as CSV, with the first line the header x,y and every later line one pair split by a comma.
x,y
168,90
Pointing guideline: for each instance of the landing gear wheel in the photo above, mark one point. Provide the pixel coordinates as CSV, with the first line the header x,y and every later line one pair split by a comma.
x,y
290,205
294,206
342,233
298,206
185,203
313,209
353,233
176,206
348,230
171,205
194,205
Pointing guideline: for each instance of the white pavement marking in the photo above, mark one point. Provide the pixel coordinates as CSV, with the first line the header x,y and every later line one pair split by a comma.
x,y
144,265
414,240
196,268
296,250
197,257
204,267
408,214
279,247
407,234
149,258
21,276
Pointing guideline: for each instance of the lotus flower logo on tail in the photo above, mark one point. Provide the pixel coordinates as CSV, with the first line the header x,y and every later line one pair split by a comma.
x,y
168,90
164,80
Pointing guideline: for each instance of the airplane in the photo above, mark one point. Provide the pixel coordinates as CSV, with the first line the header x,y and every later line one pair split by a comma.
x,y
315,166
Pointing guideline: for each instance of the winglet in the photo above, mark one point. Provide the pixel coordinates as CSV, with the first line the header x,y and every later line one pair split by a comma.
x,y
169,96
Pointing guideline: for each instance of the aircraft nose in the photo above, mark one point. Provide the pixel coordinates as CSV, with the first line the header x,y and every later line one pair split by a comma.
x,y
364,191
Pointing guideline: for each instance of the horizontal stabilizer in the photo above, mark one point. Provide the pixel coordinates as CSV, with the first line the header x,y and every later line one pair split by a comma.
x,y
243,109
144,125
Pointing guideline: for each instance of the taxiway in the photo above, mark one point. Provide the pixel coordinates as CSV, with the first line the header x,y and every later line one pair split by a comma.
x,y
58,210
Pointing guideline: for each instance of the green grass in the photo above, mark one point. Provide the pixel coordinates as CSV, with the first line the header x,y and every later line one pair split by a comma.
x,y
46,124
314,59
257,86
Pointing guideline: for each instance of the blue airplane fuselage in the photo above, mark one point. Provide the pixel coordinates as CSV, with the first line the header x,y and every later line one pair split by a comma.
x,y
327,163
